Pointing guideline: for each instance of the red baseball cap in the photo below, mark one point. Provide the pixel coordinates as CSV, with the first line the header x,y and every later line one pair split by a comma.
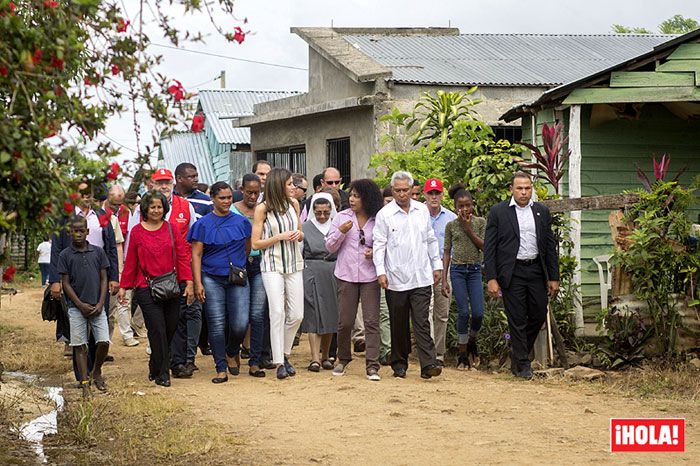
x,y
165,174
432,184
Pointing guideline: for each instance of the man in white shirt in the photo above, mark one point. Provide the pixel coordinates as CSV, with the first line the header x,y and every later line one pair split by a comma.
x,y
408,263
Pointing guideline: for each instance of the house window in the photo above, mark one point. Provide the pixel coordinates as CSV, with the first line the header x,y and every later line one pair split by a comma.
x,y
338,151
510,133
291,158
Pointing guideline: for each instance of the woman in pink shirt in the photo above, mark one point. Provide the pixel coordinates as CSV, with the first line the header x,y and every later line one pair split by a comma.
x,y
156,249
351,236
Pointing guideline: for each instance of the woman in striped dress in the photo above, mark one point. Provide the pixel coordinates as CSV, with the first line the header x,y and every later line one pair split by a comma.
x,y
277,233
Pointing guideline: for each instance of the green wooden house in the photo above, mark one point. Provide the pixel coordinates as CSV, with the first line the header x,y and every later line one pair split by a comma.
x,y
617,119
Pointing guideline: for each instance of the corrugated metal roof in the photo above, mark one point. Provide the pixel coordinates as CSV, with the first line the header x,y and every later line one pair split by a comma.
x,y
220,105
501,59
188,147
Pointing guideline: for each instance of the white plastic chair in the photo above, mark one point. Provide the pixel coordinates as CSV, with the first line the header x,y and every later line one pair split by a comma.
x,y
604,277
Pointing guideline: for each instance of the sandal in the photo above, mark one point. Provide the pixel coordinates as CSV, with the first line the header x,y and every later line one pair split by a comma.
x,y
314,366
100,384
327,365
462,362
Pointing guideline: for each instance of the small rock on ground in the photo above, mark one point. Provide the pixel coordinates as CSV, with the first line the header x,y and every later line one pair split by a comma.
x,y
584,373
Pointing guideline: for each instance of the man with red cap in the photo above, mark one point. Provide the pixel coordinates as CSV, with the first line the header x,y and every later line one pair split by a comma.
x,y
181,217
440,305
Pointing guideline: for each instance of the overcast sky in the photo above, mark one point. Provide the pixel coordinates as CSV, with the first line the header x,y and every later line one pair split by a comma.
x,y
270,40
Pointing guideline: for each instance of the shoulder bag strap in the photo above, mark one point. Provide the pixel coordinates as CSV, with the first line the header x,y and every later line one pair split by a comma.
x,y
172,243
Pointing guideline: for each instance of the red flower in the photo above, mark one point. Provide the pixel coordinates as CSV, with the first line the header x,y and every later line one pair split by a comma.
x,y
68,207
238,34
177,91
9,273
92,80
197,123
4,72
48,207
10,6
57,63
74,196
115,70
51,4
36,58
105,218
122,25
113,172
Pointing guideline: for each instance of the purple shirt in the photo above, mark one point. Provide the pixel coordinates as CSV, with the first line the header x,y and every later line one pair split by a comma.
x,y
352,265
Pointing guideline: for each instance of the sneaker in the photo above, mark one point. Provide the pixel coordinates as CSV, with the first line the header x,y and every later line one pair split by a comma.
x,y
131,342
289,368
373,375
339,369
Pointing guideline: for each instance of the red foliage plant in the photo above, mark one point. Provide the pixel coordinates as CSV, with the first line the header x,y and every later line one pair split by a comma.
x,y
552,164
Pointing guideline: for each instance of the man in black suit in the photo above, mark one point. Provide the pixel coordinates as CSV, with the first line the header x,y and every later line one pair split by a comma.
x,y
522,265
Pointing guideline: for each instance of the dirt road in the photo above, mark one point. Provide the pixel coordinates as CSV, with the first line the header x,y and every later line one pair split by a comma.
x,y
457,418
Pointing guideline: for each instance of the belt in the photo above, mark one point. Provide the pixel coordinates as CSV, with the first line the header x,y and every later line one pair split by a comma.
x,y
527,261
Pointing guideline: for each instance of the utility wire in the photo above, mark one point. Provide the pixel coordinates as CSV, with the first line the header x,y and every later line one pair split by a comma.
x,y
229,58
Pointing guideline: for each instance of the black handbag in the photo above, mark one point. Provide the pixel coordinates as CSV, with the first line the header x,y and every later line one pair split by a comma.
x,y
236,275
50,307
164,287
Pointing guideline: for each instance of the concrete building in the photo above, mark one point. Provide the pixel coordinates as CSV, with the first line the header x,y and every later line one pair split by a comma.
x,y
358,75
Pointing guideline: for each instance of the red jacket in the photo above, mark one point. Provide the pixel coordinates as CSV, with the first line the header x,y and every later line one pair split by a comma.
x,y
152,252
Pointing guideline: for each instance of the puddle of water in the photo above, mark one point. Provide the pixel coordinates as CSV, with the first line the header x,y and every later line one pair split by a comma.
x,y
34,431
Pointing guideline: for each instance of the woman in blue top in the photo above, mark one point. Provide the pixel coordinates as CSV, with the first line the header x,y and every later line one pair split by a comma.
x,y
218,239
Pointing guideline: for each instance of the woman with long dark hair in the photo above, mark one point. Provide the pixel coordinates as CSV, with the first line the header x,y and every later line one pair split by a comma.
x,y
351,236
277,232
220,246
155,250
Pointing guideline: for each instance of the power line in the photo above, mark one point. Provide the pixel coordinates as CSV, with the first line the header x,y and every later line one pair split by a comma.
x,y
229,58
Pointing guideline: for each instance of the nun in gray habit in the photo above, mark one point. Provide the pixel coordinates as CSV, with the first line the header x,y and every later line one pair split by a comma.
x,y
320,302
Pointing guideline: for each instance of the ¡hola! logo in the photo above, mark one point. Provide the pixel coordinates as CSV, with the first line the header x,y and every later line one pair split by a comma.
x,y
647,435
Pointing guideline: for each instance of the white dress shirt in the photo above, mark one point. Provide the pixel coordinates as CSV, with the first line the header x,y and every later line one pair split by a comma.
x,y
528,231
94,235
405,247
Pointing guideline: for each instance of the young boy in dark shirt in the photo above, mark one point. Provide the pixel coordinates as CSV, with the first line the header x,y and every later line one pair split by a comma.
x,y
83,270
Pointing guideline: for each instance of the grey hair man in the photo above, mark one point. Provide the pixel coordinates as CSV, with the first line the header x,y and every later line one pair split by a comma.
x,y
407,260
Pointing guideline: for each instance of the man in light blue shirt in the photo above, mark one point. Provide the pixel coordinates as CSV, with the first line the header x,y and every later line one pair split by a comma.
x,y
440,305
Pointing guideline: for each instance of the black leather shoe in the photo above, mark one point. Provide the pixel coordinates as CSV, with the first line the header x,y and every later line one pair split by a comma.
x,y
267,364
181,372
234,370
220,379
400,372
206,351
163,382
525,374
358,346
431,370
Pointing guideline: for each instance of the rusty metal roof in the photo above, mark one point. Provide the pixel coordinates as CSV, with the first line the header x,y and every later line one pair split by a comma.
x,y
539,60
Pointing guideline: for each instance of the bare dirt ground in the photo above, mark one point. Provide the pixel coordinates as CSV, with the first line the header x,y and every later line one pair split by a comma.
x,y
457,418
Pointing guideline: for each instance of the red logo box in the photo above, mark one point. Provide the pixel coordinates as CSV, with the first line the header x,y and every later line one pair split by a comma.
x,y
647,435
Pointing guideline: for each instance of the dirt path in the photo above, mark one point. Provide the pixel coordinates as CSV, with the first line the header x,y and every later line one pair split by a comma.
x,y
457,418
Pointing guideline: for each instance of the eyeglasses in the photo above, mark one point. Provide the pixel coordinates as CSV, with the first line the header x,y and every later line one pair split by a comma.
x,y
333,182
362,237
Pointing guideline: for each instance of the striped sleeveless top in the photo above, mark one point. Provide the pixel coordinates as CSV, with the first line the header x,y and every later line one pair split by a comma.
x,y
285,256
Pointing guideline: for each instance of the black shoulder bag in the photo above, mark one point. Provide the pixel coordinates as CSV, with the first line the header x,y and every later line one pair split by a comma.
x,y
165,287
236,275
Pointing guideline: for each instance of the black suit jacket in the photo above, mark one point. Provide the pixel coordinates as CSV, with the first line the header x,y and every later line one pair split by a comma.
x,y
502,241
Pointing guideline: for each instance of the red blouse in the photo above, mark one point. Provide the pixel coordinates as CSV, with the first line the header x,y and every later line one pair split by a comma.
x,y
152,252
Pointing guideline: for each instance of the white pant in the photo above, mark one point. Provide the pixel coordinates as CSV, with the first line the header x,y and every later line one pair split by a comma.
x,y
122,314
285,297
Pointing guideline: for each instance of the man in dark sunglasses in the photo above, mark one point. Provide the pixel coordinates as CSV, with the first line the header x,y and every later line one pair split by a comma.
x,y
333,179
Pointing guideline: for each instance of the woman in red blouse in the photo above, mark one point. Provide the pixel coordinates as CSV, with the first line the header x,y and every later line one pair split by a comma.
x,y
153,251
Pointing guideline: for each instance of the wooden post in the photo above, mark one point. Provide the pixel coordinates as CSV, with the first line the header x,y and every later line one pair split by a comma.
x,y
575,192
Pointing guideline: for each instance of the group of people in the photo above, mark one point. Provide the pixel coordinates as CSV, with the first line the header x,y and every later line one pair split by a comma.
x,y
244,270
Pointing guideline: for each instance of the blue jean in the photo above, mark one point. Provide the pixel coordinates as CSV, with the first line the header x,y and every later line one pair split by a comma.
x,y
227,308
44,268
259,314
468,290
